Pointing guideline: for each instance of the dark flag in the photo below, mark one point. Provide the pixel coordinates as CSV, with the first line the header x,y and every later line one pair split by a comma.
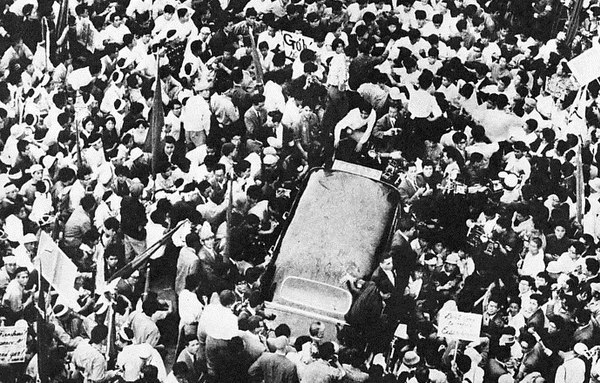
x,y
157,121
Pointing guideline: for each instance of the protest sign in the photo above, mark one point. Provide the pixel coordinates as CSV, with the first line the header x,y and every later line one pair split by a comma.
x,y
583,67
294,43
13,344
459,325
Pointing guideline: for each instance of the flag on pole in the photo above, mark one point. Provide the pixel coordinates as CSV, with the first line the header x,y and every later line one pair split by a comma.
x,y
577,124
61,23
42,334
58,270
152,144
256,59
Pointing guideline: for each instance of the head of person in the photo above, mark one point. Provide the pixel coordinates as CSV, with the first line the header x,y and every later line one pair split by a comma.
x,y
535,244
180,371
169,147
316,332
192,344
227,298
22,275
99,334
526,283
386,261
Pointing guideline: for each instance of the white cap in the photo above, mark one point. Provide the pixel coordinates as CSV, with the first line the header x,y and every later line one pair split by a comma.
x,y
135,154
206,231
29,238
270,159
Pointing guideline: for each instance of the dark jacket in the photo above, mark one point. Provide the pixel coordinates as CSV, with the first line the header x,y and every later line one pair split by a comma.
x,y
133,218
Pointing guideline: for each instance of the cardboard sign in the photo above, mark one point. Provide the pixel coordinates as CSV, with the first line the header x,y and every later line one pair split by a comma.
x,y
13,344
459,325
294,43
584,66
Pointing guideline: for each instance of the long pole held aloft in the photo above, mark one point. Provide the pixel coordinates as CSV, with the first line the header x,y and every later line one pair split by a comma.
x,y
42,335
226,252
135,263
573,22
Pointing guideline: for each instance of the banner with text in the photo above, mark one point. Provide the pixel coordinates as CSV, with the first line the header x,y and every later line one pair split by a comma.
x,y
294,43
13,344
459,325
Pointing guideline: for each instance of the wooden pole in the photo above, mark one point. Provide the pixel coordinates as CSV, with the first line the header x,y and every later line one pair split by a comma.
x,y
256,58
79,161
140,259
226,253
579,186
147,283
112,336
42,345
573,22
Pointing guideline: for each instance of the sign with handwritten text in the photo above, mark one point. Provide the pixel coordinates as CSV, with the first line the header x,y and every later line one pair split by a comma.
x,y
13,344
459,325
294,43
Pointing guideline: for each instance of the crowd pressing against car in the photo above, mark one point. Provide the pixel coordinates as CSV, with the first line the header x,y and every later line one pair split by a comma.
x,y
468,107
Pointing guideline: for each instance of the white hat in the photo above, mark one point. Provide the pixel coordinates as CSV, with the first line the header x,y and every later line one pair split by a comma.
x,y
554,267
17,131
135,154
10,187
595,184
9,259
60,310
395,93
104,175
29,238
48,161
206,231
34,168
509,180
270,159
401,331
119,105
31,119
452,259
580,349
117,77
269,150
411,359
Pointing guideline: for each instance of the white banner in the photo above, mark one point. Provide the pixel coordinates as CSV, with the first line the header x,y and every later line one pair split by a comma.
x,y
585,67
294,43
459,325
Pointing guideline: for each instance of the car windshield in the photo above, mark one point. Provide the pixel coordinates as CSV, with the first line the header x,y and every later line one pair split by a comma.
x,y
316,295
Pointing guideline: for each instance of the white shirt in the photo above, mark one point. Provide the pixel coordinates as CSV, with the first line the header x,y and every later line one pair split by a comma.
x,y
354,121
338,70
533,264
196,115
219,322
190,308
422,105
131,363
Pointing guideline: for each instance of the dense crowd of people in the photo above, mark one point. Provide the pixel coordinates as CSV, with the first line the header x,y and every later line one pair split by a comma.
x,y
468,107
